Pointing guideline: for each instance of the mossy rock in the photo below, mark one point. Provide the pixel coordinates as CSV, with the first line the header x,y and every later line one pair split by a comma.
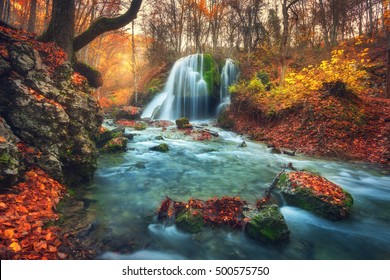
x,y
117,144
190,220
316,194
162,148
183,123
268,225
106,136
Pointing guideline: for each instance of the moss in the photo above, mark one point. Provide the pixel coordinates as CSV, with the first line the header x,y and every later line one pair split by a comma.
x,y
140,126
225,121
211,73
268,225
93,76
348,199
118,144
7,159
189,222
182,123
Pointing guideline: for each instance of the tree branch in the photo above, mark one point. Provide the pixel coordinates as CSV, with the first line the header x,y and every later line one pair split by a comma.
x,y
291,3
104,24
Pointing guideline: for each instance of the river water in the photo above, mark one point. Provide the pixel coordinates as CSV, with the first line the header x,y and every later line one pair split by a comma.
x,y
129,187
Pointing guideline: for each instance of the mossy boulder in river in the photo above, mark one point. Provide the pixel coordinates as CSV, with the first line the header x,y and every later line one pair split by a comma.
x,y
117,144
162,148
315,194
106,135
267,225
190,220
183,123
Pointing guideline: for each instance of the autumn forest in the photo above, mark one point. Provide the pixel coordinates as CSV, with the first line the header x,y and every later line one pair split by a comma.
x,y
194,129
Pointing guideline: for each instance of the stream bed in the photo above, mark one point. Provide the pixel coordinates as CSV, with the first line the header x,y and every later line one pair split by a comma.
x,y
129,187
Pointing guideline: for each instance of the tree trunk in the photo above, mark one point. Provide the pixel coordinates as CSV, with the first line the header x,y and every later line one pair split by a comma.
x,y
284,43
33,16
370,16
7,12
104,24
61,26
1,9
47,15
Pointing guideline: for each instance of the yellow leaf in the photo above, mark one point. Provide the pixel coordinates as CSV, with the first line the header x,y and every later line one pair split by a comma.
x,y
15,246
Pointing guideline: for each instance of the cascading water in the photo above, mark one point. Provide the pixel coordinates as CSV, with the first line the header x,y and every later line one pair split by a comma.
x,y
229,76
185,93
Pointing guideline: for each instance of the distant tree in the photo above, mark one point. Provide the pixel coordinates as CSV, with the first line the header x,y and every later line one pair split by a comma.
x,y
33,16
286,6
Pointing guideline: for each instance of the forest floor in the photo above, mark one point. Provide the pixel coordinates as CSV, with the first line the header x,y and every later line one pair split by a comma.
x,y
332,127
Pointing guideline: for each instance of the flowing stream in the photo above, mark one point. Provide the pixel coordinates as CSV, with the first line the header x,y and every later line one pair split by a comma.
x,y
129,187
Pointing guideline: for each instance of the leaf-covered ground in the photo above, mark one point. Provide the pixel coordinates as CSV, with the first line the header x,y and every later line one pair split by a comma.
x,y
327,126
25,217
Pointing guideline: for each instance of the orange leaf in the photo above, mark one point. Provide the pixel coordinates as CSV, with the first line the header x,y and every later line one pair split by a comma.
x,y
52,249
9,233
3,206
40,245
48,236
2,139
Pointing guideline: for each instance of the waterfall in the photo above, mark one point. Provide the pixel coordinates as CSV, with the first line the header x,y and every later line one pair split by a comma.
x,y
229,76
185,93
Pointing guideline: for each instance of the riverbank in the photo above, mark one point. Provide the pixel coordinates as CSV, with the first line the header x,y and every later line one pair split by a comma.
x,y
328,127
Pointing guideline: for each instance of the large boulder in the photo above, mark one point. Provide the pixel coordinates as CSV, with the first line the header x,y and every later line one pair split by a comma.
x,y
267,225
315,194
48,112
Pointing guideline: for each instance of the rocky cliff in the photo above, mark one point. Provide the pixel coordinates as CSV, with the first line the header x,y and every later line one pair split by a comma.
x,y
48,116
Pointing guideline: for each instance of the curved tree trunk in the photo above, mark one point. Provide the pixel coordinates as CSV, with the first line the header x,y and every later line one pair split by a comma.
x,y
106,24
61,26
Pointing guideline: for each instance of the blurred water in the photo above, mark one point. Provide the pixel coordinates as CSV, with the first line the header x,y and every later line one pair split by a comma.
x,y
129,187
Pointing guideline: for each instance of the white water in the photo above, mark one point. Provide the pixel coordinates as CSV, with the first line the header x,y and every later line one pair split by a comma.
x,y
186,94
229,76
129,187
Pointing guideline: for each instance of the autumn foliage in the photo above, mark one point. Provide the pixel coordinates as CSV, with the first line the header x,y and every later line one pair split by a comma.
x,y
25,217
321,187
215,211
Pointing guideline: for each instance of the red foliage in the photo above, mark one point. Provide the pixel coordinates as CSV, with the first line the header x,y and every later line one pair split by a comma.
x,y
328,127
126,123
24,214
78,79
40,97
215,211
51,54
321,187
